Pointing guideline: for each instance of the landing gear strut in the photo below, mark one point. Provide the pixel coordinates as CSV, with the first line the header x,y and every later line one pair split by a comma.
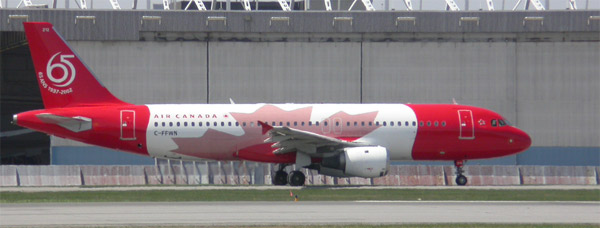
x,y
280,177
460,178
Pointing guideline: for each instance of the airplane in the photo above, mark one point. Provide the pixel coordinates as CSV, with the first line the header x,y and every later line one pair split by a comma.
x,y
339,140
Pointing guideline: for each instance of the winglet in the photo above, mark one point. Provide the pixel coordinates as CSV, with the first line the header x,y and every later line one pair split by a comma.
x,y
265,127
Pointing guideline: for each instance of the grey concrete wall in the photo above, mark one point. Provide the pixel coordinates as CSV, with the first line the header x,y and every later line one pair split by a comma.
x,y
149,72
480,74
559,93
549,89
257,72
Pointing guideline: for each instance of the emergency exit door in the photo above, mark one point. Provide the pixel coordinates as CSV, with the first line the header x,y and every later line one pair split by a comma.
x,y
127,125
467,129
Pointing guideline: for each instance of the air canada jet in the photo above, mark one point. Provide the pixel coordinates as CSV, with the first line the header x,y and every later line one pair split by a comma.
x,y
340,140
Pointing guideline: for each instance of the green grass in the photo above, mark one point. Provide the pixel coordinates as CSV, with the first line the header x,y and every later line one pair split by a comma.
x,y
305,194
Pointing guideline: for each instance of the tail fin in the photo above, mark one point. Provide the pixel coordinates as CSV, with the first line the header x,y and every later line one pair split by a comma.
x,y
64,80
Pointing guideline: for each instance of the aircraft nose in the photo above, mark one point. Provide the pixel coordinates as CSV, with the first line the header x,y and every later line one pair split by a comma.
x,y
520,139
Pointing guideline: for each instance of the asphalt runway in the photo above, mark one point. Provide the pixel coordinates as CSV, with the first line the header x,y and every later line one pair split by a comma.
x,y
294,213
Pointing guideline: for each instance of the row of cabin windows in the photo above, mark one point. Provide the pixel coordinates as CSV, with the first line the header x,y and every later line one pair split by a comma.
x,y
295,123
435,123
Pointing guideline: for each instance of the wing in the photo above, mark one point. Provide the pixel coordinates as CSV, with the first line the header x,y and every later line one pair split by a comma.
x,y
288,140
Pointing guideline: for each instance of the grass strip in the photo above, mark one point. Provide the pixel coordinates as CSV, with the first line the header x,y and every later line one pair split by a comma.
x,y
305,194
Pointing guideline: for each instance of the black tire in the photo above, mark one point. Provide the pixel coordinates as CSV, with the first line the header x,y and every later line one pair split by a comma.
x,y
296,178
280,178
461,180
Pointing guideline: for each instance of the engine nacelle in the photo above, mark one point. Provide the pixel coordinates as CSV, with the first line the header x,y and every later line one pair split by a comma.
x,y
370,161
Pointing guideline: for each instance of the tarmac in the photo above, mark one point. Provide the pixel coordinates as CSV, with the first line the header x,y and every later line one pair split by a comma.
x,y
296,213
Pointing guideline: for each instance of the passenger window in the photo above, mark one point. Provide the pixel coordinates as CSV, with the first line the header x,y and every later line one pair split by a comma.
x,y
443,123
316,123
406,123
370,123
178,124
295,123
501,123
309,123
207,124
251,124
391,123
399,123
376,123
222,124
185,124
199,124
325,123
355,123
436,123
429,123
337,123
193,124
302,123
237,124
243,124
494,122
280,123
170,124
384,123
163,124
421,123
362,123
348,124
156,124
288,124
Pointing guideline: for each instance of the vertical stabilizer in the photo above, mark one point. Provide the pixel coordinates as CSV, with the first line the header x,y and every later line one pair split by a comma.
x,y
64,80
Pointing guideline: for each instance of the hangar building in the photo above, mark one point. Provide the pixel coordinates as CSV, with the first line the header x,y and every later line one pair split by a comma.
x,y
541,69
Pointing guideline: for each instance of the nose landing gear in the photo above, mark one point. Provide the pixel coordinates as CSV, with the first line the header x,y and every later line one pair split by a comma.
x,y
460,178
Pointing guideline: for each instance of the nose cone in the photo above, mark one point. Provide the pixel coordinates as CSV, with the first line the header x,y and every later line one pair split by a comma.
x,y
520,140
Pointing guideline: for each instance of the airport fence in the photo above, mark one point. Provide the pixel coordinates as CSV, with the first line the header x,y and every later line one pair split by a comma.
x,y
247,173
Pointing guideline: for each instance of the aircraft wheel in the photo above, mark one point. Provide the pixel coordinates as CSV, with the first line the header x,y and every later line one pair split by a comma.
x,y
280,178
461,180
296,178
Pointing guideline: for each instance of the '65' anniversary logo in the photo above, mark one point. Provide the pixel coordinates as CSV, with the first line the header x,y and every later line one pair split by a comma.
x,y
60,73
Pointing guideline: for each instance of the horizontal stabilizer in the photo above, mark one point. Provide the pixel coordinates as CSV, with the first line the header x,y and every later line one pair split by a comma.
x,y
74,124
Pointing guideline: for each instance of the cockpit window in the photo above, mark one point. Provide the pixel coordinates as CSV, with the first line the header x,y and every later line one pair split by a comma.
x,y
502,123
494,122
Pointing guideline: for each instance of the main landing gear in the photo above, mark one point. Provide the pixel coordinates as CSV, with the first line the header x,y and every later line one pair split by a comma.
x,y
460,178
295,178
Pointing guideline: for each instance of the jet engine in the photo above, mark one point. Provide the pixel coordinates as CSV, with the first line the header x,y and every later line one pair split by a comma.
x,y
371,161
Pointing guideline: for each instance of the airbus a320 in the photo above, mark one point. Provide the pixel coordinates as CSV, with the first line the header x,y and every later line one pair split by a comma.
x,y
340,140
